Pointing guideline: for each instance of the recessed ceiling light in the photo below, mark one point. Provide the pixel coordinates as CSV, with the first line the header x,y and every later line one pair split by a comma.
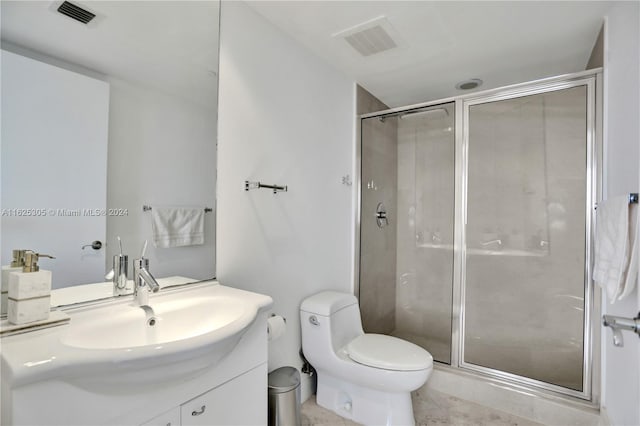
x,y
472,83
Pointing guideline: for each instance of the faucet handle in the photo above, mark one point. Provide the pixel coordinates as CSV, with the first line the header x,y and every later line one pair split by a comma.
x,y
142,262
144,249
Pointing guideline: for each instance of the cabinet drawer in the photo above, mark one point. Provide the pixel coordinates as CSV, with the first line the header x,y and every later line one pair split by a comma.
x,y
241,401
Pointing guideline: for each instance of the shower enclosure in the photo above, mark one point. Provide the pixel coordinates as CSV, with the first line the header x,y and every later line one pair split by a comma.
x,y
475,230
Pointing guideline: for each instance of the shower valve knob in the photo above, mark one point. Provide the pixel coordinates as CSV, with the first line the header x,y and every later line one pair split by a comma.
x,y
381,215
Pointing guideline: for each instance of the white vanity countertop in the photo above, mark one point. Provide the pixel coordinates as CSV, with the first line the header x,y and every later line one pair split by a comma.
x,y
42,354
95,291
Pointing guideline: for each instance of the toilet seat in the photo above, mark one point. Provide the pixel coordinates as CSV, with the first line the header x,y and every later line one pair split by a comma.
x,y
389,353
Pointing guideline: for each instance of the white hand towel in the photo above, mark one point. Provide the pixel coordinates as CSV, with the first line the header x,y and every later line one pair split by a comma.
x,y
177,226
612,245
631,274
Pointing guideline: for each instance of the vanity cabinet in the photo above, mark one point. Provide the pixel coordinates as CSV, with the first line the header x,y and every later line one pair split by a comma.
x,y
240,401
210,379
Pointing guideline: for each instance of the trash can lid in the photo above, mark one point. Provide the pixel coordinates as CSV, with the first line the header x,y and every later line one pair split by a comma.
x,y
283,379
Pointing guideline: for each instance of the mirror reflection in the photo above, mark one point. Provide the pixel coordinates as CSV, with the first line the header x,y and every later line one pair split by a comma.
x,y
101,119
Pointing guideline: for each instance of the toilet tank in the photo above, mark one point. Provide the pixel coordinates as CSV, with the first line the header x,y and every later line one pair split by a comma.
x,y
338,321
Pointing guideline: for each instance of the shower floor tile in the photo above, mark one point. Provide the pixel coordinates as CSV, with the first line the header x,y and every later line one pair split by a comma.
x,y
430,408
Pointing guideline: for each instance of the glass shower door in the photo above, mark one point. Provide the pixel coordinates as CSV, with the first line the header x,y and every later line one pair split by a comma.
x,y
525,243
406,258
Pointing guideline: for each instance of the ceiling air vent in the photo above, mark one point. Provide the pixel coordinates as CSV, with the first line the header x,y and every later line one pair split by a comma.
x,y
76,12
371,37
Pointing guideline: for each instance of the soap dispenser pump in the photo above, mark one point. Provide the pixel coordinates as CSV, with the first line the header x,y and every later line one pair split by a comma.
x,y
29,296
16,266
18,258
31,261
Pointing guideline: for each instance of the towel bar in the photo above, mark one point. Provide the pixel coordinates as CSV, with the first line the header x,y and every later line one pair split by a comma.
x,y
256,185
146,208
633,199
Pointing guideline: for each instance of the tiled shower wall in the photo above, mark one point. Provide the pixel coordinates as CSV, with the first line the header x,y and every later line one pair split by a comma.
x,y
378,245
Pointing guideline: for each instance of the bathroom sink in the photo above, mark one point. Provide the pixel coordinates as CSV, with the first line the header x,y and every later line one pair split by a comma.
x,y
170,321
112,344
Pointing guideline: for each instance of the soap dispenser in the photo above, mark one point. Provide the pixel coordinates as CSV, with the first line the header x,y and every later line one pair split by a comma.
x,y
29,296
16,266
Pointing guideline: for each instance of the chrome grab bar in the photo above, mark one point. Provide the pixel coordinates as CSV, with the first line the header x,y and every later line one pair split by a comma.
x,y
618,324
487,243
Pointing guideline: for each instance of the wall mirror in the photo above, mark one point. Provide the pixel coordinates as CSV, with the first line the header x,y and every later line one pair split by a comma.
x,y
100,119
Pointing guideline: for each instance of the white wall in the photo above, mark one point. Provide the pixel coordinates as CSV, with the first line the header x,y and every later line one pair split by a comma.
x,y
285,117
621,366
161,151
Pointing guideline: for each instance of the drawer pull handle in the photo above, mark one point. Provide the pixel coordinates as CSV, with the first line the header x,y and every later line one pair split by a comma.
x,y
198,412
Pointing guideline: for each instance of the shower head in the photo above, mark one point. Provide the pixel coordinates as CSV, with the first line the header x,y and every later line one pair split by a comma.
x,y
423,113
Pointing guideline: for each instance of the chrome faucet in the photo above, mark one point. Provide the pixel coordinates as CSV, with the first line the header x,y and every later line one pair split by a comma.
x,y
143,281
119,273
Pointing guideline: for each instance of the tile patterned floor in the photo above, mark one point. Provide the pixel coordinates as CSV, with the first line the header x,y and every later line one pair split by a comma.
x,y
430,408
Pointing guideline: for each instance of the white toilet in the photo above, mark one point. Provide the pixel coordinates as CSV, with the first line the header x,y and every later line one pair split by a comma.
x,y
367,378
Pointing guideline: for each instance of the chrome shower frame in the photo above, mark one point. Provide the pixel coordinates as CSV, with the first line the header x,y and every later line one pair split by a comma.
x,y
592,80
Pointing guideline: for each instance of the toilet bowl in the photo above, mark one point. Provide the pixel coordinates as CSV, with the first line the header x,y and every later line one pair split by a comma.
x,y
367,378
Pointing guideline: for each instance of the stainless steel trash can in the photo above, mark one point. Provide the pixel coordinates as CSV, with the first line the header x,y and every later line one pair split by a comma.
x,y
284,397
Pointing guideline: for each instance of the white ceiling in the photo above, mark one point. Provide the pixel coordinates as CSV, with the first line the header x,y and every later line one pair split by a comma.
x,y
167,45
173,45
445,42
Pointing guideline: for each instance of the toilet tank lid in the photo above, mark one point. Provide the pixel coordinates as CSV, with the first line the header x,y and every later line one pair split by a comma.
x,y
327,302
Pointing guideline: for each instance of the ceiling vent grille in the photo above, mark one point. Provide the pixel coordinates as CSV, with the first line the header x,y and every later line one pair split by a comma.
x,y
76,12
371,37
371,41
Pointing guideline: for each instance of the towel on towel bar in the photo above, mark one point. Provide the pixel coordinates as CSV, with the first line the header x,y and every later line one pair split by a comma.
x,y
631,276
611,269
177,226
